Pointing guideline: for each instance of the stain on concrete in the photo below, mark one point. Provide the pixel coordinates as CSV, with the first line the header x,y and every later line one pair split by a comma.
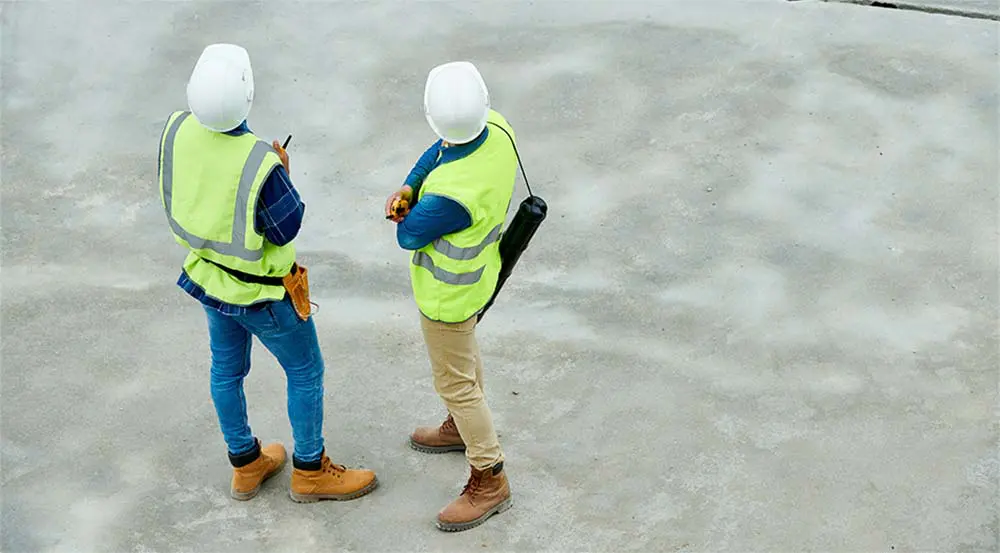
x,y
902,73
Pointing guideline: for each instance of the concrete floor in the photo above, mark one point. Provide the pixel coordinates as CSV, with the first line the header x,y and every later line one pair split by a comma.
x,y
762,315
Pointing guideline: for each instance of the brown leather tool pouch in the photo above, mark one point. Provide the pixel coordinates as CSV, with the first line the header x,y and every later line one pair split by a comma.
x,y
296,283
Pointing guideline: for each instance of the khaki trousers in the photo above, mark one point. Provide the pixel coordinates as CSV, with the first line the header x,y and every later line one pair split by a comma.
x,y
458,379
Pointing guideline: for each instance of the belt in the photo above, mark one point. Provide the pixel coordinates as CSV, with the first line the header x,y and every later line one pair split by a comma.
x,y
254,279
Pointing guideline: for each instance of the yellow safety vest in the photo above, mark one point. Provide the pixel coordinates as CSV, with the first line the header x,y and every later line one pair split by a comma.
x,y
454,276
210,196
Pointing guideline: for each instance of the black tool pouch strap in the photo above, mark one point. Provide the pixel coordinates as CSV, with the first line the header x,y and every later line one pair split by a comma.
x,y
252,279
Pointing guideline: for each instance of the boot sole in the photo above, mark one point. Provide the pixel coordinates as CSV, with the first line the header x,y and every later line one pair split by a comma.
x,y
435,449
246,496
313,498
460,526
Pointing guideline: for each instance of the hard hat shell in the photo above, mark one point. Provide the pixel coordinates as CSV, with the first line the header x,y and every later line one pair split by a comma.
x,y
220,90
456,101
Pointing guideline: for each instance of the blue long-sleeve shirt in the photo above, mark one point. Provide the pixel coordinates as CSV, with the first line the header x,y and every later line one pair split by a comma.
x,y
434,216
278,217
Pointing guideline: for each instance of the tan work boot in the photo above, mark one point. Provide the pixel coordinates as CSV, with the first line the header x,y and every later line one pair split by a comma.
x,y
329,481
250,470
440,439
485,494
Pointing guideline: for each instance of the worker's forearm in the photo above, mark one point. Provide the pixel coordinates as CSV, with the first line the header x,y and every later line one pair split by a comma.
x,y
429,220
423,166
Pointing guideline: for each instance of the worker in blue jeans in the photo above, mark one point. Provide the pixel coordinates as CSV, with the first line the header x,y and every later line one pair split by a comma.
x,y
211,167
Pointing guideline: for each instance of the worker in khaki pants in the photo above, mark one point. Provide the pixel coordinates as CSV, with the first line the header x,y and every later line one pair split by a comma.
x,y
458,194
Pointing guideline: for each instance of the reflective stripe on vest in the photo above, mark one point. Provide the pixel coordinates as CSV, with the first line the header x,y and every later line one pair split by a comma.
x,y
457,253
235,247
421,259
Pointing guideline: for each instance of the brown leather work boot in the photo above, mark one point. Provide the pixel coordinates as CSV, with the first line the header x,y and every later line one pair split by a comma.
x,y
441,439
251,469
329,481
485,494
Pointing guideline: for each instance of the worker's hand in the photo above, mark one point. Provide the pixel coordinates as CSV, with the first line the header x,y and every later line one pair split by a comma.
x,y
403,194
282,154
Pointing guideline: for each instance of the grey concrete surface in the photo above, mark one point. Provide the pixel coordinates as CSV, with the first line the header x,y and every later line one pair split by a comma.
x,y
762,315
986,9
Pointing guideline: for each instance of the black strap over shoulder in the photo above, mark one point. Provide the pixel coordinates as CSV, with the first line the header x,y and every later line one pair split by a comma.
x,y
519,164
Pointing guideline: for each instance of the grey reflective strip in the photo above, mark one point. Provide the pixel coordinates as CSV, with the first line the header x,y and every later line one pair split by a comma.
x,y
235,246
167,167
249,174
448,249
421,259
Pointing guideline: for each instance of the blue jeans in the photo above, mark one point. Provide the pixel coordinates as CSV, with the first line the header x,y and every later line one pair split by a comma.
x,y
295,345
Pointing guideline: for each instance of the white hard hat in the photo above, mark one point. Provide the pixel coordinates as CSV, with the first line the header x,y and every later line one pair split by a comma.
x,y
220,90
456,102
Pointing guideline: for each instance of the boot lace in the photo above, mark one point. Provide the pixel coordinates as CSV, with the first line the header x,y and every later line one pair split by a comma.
x,y
449,425
333,468
472,486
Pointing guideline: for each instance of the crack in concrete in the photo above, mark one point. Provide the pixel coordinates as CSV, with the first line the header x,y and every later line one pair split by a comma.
x,y
911,6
